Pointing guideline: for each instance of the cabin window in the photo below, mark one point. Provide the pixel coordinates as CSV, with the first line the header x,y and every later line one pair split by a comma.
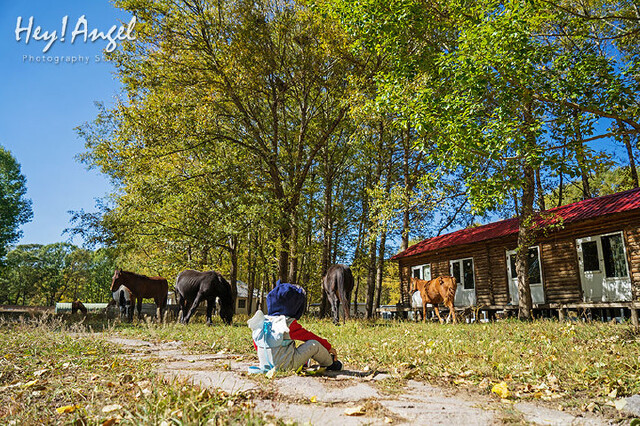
x,y
421,272
590,256
242,303
533,265
615,264
462,271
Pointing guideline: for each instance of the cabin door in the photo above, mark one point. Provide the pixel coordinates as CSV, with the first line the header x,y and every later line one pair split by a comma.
x,y
462,271
604,273
535,276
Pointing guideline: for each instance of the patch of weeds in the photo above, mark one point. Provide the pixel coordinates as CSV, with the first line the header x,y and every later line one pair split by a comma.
x,y
52,372
393,385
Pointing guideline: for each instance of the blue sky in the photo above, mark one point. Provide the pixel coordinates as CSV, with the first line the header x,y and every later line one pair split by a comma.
x,y
42,102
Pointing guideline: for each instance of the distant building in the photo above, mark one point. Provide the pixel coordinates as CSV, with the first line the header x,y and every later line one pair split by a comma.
x,y
242,300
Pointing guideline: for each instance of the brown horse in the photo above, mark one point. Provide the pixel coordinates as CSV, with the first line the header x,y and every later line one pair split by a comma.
x,y
437,290
76,306
141,286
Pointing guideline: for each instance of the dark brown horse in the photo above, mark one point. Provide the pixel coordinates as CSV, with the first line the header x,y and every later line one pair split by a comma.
x,y
192,287
76,306
338,284
142,287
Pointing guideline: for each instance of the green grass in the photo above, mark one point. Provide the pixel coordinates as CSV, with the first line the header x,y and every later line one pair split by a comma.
x,y
50,363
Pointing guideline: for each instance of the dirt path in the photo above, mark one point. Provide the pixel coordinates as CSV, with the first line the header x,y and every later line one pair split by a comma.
x,y
337,393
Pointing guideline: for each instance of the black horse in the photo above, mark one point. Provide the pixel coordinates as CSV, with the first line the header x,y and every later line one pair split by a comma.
x,y
337,284
193,286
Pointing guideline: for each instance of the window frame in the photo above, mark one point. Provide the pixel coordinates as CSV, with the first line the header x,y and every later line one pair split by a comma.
x,y
462,280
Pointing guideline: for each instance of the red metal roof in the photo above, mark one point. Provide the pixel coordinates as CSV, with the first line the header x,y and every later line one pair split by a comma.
x,y
582,210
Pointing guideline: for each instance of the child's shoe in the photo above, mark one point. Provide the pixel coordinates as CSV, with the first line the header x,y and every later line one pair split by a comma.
x,y
336,366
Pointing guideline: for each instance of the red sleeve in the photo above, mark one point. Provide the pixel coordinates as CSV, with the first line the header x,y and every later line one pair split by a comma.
x,y
296,332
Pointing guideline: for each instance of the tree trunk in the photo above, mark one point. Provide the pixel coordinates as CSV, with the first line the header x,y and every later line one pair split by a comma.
x,y
371,278
525,229
405,297
540,191
251,278
293,257
380,268
327,229
580,158
632,162
283,260
233,272
561,184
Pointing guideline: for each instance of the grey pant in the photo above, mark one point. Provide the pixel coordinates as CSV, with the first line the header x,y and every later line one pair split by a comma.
x,y
311,349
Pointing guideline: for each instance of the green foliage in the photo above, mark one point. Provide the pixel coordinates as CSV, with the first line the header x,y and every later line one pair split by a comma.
x,y
15,208
60,272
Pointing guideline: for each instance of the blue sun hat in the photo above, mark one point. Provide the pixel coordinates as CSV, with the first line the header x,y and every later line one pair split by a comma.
x,y
287,299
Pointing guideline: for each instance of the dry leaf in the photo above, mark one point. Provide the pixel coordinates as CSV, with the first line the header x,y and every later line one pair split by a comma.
x,y
313,399
502,390
110,408
110,422
620,404
67,409
31,383
355,411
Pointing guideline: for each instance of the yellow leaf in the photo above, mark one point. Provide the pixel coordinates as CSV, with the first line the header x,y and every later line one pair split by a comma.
x,y
502,390
67,409
91,352
313,399
355,411
31,383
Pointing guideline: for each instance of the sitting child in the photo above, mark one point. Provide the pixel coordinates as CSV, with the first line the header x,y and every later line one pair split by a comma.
x,y
274,334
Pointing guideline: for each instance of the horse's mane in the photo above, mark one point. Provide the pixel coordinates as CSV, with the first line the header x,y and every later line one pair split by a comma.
x,y
226,295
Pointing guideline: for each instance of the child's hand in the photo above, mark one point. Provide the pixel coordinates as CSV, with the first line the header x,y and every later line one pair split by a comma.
x,y
334,353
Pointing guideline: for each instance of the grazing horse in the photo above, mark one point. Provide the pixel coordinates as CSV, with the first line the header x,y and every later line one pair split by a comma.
x,y
141,286
338,284
194,286
437,290
78,306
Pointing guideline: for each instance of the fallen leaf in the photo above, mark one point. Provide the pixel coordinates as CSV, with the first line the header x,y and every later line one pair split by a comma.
x,y
67,409
271,373
31,383
388,420
502,390
313,399
110,408
110,422
40,372
355,411
620,404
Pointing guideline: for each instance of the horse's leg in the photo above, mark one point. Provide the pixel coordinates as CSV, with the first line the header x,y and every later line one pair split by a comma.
x,y
345,302
424,312
210,304
333,300
139,306
435,307
132,307
194,306
452,311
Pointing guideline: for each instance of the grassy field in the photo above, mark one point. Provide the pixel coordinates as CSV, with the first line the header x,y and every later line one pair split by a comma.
x,y
53,371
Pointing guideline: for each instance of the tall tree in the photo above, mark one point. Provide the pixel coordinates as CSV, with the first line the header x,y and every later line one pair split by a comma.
x,y
15,208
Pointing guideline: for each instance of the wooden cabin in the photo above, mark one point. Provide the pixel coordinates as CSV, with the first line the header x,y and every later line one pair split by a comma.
x,y
585,255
